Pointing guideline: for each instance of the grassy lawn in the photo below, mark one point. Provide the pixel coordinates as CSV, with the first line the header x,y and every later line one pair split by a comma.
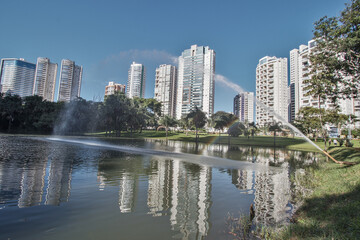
x,y
261,141
332,210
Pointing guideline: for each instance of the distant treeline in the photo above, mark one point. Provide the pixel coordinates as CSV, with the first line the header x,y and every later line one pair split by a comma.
x,y
117,113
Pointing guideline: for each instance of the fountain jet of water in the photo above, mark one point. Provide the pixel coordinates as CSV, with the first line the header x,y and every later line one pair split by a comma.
x,y
223,80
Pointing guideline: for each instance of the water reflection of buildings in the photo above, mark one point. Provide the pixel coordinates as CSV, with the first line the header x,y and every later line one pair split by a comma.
x,y
160,187
24,178
58,189
191,217
175,188
185,189
32,183
272,189
10,180
127,192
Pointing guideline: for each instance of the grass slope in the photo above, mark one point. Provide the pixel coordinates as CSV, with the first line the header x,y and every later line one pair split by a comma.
x,y
332,210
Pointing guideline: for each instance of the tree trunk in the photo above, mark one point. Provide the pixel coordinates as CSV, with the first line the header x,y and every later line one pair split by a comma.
x,y
274,137
10,120
321,124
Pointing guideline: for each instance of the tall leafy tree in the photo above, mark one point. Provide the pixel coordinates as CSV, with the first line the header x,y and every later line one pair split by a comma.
x,y
167,122
10,110
336,59
275,127
185,124
198,120
221,120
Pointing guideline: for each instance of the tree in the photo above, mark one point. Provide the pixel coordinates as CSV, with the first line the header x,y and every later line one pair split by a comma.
x,y
167,122
222,119
10,110
75,117
185,124
115,113
336,59
253,128
275,126
198,119
236,129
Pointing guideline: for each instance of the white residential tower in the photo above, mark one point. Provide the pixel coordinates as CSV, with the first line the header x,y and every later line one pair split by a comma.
x,y
196,77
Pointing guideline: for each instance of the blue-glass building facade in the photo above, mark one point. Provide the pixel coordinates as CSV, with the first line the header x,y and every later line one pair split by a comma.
x,y
17,76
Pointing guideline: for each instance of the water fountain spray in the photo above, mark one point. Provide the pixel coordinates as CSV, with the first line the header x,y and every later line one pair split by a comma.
x,y
237,88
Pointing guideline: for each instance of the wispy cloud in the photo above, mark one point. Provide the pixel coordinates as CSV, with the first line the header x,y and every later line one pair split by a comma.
x,y
115,67
225,82
141,56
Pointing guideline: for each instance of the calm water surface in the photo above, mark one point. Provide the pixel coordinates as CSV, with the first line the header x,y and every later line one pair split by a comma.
x,y
140,190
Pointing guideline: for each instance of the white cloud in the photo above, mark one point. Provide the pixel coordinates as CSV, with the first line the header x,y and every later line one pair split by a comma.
x,y
141,56
225,82
115,67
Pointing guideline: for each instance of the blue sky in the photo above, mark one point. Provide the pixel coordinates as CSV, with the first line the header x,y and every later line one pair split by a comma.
x,y
106,36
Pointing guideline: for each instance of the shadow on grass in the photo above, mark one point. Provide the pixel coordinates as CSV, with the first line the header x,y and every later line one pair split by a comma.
x,y
346,154
332,216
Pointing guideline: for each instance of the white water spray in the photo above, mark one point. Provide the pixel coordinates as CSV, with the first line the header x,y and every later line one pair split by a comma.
x,y
211,161
221,79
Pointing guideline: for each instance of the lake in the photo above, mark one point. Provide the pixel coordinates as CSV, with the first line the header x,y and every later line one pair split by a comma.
x,y
87,188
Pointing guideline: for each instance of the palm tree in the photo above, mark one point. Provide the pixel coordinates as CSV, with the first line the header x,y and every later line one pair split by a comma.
x,y
198,119
167,122
253,128
275,126
185,124
219,121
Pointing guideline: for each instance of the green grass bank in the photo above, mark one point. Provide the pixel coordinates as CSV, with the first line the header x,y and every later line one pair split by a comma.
x,y
291,143
332,209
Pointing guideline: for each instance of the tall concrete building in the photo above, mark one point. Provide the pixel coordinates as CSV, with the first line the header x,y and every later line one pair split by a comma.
x,y
113,88
17,76
244,106
45,79
136,81
165,89
300,67
196,77
70,81
271,89
299,73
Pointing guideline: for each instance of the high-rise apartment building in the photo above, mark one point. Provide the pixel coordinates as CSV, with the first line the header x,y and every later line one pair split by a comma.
x,y
300,67
196,77
70,81
271,90
45,79
244,106
136,81
165,89
113,88
299,73
17,76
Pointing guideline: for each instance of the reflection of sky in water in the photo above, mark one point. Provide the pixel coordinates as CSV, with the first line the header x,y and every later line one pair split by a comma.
x,y
88,184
